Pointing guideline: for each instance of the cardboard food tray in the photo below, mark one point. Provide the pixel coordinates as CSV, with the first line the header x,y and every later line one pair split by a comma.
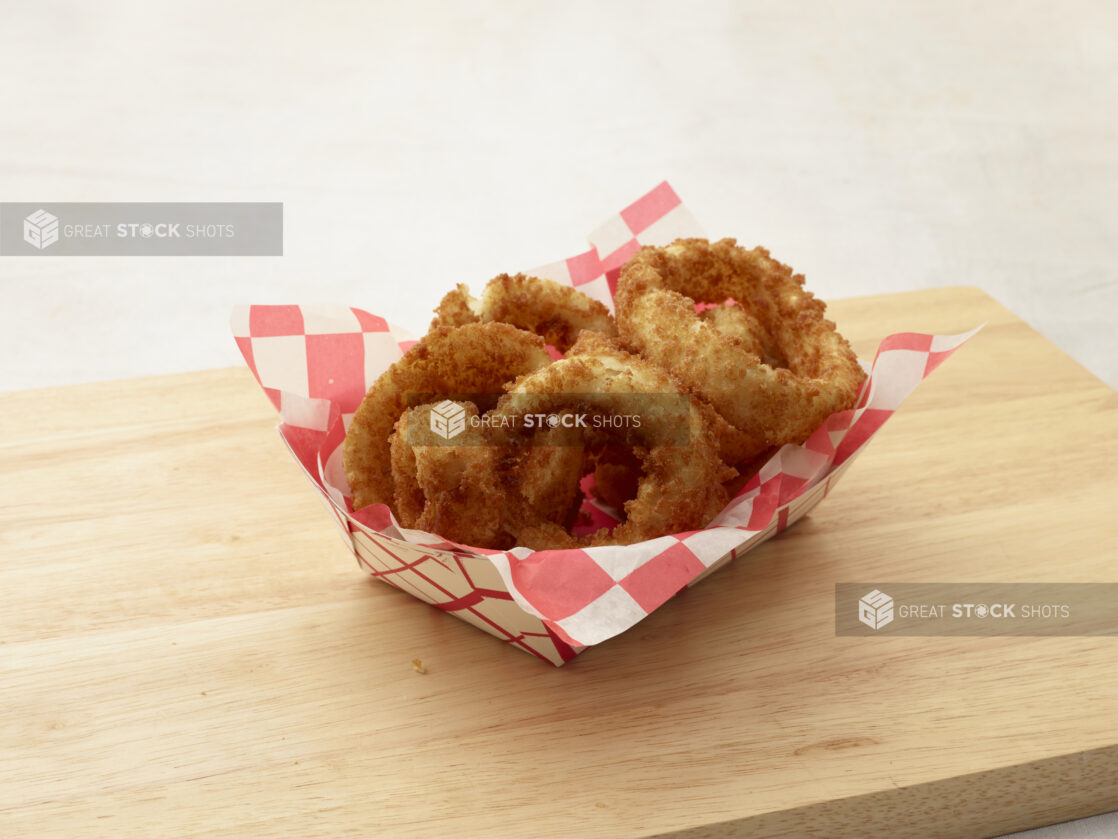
x,y
315,363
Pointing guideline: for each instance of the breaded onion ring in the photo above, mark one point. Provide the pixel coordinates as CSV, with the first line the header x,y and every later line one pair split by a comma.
x,y
452,490
476,491
554,311
409,496
681,485
477,358
656,316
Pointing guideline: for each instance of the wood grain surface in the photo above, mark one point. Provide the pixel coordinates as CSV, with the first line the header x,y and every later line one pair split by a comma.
x,y
187,648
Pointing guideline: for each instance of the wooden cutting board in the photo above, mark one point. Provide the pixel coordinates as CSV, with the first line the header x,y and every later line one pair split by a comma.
x,y
188,649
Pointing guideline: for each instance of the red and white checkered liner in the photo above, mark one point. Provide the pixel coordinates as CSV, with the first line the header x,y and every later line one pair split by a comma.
x,y
316,362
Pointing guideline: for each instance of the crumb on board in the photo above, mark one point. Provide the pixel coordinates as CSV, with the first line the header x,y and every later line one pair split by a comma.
x,y
417,666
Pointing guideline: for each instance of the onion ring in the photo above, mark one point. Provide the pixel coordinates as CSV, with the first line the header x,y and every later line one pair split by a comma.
x,y
680,487
452,490
477,491
554,311
477,359
656,298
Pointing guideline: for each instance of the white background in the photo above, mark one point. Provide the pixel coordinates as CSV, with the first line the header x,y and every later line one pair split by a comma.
x,y
874,147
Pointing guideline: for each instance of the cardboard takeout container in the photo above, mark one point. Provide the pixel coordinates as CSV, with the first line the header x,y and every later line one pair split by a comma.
x,y
315,363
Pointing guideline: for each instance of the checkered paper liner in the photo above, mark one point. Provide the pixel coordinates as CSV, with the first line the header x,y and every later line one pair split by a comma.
x,y
315,364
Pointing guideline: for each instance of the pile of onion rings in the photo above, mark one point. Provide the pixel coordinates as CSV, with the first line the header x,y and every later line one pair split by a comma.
x,y
729,333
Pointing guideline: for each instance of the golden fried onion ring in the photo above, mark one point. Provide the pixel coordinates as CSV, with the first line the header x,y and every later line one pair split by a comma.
x,y
477,491
656,316
476,358
444,489
680,487
554,311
